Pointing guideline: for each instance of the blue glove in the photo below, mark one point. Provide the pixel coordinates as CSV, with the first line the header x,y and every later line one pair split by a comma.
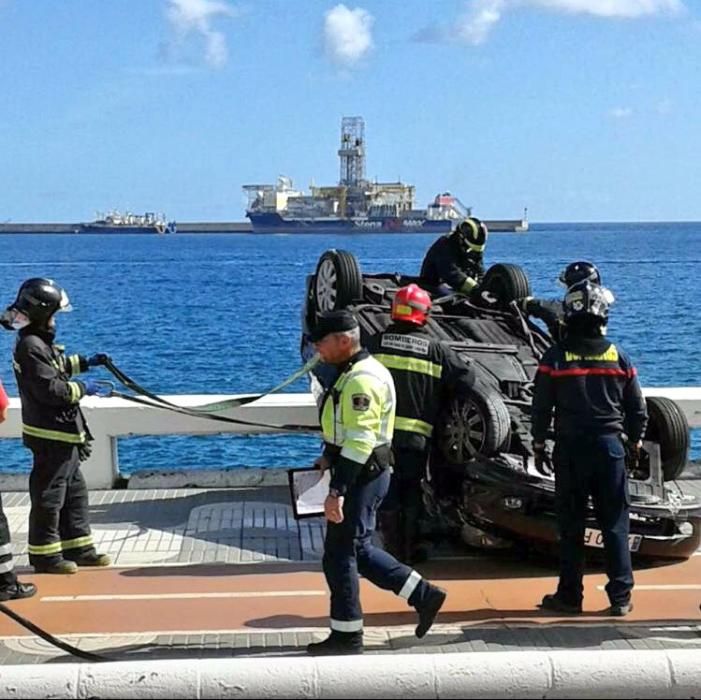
x,y
92,386
99,359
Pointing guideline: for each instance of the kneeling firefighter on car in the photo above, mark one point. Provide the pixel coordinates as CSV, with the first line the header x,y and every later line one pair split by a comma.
x,y
54,429
426,375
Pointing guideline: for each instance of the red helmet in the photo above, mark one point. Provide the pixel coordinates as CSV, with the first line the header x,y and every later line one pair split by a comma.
x,y
411,304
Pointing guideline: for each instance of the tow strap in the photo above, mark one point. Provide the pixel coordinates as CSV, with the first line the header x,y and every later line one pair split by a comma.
x,y
64,646
208,410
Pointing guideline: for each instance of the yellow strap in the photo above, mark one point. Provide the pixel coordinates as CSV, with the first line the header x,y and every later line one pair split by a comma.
x,y
468,285
411,364
413,425
59,436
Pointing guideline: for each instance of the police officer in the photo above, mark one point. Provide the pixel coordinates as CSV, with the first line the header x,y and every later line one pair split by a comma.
x,y
357,421
54,429
551,311
10,587
426,374
592,386
457,259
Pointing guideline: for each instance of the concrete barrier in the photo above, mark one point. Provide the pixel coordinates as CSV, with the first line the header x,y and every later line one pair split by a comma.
x,y
519,674
111,418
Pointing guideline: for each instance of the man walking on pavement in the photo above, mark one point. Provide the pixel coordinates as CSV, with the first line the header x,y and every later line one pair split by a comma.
x,y
10,587
54,429
426,374
357,421
594,391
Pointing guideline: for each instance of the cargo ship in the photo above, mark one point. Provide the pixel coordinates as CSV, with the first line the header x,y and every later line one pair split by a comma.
x,y
356,205
116,222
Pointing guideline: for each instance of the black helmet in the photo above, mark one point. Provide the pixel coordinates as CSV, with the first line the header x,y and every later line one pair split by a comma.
x,y
38,299
584,299
472,235
579,271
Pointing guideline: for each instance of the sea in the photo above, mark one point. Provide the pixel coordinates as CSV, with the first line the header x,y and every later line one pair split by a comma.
x,y
220,314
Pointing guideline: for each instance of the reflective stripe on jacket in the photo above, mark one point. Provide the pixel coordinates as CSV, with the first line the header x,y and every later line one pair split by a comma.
x,y
49,395
357,415
426,374
593,387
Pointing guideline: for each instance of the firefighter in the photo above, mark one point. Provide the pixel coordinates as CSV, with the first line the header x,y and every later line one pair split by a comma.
x,y
357,421
426,375
54,429
592,386
551,311
456,260
10,587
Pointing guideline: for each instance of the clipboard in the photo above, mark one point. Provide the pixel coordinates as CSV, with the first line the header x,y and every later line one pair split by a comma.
x,y
309,488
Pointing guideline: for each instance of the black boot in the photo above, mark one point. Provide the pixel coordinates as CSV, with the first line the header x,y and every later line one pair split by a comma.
x,y
429,609
17,590
337,644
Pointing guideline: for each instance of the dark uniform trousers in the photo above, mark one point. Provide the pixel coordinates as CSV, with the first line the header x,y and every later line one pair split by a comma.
x,y
405,499
7,571
348,550
58,520
593,466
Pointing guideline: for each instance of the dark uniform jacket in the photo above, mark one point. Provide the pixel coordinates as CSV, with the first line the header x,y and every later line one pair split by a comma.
x,y
551,312
446,261
594,387
425,372
50,409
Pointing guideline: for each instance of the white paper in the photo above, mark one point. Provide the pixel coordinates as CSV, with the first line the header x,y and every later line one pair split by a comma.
x,y
310,489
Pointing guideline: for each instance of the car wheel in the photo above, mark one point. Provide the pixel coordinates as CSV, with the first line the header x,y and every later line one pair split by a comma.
x,y
668,426
480,425
337,281
506,282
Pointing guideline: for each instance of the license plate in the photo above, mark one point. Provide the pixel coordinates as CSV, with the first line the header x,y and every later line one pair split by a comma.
x,y
595,538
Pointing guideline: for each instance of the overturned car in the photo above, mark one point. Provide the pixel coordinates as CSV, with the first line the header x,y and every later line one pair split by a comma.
x,y
483,484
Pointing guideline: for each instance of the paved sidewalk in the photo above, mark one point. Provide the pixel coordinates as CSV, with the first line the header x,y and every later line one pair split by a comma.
x,y
252,529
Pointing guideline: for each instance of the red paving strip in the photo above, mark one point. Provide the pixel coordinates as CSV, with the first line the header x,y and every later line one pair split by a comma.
x,y
481,591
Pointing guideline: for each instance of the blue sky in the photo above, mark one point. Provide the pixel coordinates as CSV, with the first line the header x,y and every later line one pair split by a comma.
x,y
580,110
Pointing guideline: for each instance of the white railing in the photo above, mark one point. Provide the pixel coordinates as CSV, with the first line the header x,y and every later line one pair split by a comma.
x,y
112,418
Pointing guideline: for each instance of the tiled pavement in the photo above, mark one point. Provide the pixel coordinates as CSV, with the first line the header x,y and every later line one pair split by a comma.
x,y
255,525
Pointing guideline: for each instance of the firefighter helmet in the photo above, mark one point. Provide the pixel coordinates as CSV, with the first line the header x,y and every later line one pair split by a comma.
x,y
411,304
472,235
579,271
38,299
586,299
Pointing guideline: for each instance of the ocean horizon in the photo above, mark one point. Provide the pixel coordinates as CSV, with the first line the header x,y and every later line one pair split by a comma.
x,y
220,314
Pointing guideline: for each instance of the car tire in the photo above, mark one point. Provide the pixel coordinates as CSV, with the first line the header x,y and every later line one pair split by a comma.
x,y
668,426
506,282
337,281
480,425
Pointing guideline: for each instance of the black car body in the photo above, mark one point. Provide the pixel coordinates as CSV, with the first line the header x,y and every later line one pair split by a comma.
x,y
483,483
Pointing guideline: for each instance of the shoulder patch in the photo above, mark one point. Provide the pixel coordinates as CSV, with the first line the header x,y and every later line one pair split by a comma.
x,y
406,343
360,402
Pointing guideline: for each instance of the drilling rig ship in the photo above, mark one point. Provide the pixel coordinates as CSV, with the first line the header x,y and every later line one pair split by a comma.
x,y
356,205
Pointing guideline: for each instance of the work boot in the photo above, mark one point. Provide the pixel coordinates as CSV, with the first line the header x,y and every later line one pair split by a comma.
x,y
337,644
62,566
429,609
620,609
554,603
92,559
17,590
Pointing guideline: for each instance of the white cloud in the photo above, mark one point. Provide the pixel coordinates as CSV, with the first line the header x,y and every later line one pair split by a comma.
x,y
347,35
621,112
481,16
194,19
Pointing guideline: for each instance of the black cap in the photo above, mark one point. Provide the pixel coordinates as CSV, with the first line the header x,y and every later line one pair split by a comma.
x,y
333,322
